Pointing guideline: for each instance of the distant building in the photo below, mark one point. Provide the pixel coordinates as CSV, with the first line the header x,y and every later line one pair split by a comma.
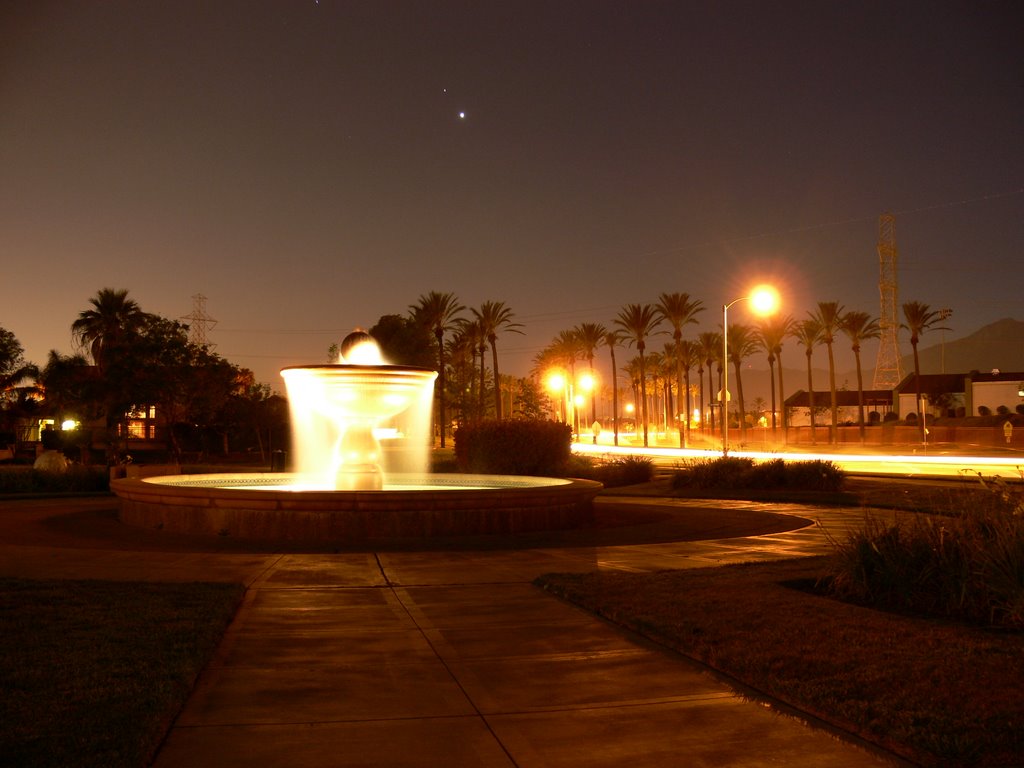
x,y
798,404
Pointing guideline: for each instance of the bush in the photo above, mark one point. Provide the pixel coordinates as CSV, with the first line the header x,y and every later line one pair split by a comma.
x,y
514,447
77,479
968,564
734,472
626,470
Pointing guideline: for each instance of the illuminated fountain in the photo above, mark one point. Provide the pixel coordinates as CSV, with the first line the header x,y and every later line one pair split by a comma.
x,y
345,487
337,410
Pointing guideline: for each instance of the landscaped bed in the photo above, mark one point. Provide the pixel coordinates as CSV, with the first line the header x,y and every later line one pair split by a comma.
x,y
93,673
936,691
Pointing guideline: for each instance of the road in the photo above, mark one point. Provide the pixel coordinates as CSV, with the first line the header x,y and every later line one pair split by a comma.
x,y
934,463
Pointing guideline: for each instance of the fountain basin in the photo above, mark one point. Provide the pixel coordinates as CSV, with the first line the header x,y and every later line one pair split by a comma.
x,y
276,506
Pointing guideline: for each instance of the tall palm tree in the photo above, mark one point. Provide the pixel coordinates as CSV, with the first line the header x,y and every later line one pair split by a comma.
x,y
440,313
710,344
829,317
679,310
772,332
858,327
808,334
688,354
113,318
568,349
918,318
494,317
590,336
742,344
611,340
638,321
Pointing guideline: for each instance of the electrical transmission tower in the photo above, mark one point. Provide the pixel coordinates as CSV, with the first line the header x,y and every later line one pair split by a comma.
x,y
199,322
888,372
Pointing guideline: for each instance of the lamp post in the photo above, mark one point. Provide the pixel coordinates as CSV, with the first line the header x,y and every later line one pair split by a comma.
x,y
765,301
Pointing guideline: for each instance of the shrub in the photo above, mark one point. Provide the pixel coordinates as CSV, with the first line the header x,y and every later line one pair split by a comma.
x,y
619,471
968,564
815,475
514,447
735,472
726,472
77,479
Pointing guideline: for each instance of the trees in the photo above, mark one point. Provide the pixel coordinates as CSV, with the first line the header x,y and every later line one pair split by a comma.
x,y
808,333
918,318
13,371
440,313
772,332
404,341
637,322
829,317
13,367
858,327
679,310
611,340
710,346
687,355
494,317
590,336
112,319
742,344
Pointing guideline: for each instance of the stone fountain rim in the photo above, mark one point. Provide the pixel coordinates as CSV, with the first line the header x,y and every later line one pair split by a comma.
x,y
352,515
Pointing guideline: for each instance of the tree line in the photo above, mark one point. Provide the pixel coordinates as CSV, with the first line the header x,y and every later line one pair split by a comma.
x,y
126,360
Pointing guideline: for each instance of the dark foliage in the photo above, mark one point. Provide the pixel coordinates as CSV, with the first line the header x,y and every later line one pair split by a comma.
x,y
734,472
514,447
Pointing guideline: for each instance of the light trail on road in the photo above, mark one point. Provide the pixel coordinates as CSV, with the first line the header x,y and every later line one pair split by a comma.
x,y
956,466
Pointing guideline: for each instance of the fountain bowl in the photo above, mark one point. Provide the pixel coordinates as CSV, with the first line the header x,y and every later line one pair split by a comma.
x,y
276,506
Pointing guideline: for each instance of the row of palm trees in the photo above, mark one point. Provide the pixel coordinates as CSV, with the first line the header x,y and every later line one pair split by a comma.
x,y
637,323
471,336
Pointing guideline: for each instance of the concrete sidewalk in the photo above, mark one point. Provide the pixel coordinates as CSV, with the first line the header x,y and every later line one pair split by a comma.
x,y
454,659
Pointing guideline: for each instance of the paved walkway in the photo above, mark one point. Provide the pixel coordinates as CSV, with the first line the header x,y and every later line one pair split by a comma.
x,y
440,658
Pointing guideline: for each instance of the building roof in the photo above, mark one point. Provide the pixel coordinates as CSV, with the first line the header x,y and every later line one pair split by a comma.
x,y
934,384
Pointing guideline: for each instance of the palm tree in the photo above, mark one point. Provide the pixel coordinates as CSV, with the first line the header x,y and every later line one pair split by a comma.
x,y
638,321
829,317
440,313
808,333
590,336
679,310
611,340
772,332
688,354
113,318
710,344
494,317
859,326
918,318
742,344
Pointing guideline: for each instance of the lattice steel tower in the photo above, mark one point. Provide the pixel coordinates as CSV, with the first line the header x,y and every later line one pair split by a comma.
x,y
888,372
199,322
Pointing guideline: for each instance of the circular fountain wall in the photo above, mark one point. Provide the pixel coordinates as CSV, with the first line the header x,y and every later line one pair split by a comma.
x,y
270,506
341,491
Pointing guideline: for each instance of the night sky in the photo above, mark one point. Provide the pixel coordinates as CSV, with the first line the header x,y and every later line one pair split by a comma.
x,y
305,166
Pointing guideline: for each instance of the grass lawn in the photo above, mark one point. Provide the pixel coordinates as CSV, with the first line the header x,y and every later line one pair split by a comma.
x,y
937,692
93,673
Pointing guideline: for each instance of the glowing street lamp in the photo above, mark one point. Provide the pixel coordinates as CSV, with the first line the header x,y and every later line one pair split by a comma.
x,y
765,301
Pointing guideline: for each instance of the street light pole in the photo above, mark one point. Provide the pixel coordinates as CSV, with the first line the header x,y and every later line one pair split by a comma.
x,y
725,374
